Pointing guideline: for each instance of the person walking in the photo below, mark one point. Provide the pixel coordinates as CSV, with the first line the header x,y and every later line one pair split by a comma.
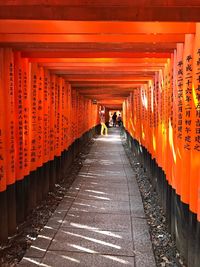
x,y
114,118
119,120
103,125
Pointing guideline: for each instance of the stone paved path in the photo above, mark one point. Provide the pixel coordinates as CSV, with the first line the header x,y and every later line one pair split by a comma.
x,y
101,221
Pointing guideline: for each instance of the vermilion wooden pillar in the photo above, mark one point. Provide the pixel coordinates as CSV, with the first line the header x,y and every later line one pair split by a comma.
x,y
3,193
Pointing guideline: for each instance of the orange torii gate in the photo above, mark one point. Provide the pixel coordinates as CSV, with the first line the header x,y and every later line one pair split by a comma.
x,y
141,56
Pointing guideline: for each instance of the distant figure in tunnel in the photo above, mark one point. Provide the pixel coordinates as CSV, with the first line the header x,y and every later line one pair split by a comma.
x,y
103,125
119,120
114,118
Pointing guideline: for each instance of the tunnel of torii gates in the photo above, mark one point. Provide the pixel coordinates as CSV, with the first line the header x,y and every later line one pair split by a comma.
x,y
57,75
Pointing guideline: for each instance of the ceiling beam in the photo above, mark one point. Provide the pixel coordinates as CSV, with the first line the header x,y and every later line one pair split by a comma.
x,y
100,66
91,38
106,84
89,54
105,12
96,27
98,61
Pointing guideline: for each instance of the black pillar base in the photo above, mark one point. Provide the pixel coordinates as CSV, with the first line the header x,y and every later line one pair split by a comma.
x,y
30,191
52,175
46,174
197,245
11,209
3,217
20,201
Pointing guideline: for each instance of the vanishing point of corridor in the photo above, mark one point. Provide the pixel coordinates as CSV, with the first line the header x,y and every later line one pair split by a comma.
x,y
101,221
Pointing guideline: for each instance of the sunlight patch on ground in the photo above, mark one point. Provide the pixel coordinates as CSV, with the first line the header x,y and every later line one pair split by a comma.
x,y
92,175
71,259
98,197
36,262
48,227
72,215
94,229
37,248
45,237
114,258
82,248
77,209
93,240
97,192
110,140
81,204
